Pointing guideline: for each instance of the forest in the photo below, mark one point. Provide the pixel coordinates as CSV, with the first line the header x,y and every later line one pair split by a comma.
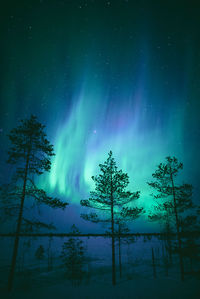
x,y
99,149
35,255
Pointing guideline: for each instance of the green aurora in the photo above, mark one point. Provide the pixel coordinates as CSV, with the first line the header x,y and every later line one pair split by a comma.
x,y
104,75
138,137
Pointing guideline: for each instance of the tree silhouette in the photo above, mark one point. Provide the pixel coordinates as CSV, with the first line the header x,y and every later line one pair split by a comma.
x,y
171,200
110,195
121,229
73,257
121,218
190,244
10,199
31,153
39,253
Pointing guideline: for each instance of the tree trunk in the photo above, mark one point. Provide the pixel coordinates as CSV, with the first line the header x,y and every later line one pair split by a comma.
x,y
178,231
166,266
153,264
120,261
16,244
165,260
113,239
191,264
169,245
49,256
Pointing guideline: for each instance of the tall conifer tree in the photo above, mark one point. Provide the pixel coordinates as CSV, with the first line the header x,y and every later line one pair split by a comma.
x,y
110,195
31,153
171,200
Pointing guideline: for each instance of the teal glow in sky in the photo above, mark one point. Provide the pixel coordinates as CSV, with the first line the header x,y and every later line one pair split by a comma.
x,y
129,126
117,75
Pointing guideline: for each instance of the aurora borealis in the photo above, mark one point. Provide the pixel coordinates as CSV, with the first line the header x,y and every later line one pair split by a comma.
x,y
104,75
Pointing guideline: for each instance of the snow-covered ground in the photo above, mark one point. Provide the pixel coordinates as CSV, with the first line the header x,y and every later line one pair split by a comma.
x,y
136,288
137,282
32,280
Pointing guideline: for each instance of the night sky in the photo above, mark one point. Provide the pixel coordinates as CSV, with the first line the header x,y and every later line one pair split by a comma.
x,y
103,75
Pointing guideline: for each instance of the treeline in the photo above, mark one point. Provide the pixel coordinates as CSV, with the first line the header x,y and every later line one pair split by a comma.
x,y
31,152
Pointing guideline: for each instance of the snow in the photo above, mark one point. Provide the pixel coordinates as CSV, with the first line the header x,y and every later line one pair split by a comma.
x,y
136,288
33,281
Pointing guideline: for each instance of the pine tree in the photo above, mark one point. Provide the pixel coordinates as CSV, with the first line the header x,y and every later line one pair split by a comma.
x,y
171,200
31,153
122,217
121,229
39,253
189,226
10,200
73,257
110,195
49,255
